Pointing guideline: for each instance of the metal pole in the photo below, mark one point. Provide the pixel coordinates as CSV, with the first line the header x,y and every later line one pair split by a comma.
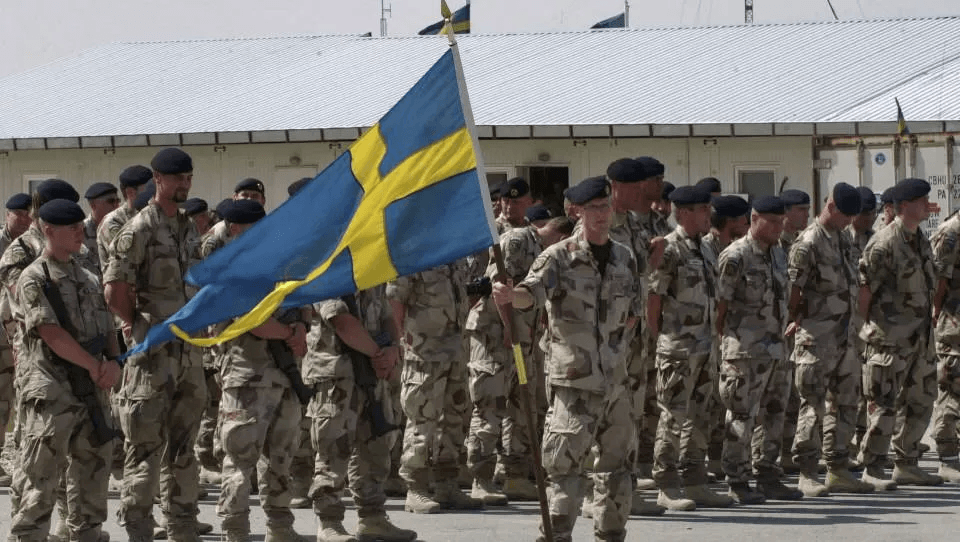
x,y
626,13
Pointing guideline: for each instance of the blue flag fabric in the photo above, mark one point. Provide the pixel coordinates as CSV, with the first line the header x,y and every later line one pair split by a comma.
x,y
460,22
617,21
405,197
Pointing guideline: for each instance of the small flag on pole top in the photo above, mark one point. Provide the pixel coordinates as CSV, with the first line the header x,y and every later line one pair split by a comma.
x,y
902,129
617,21
459,20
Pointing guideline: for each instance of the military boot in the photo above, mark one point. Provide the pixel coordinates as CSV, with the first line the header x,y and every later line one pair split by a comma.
x,y
379,529
645,477
284,533
234,535
788,465
562,529
395,487
486,492
742,493
140,531
95,534
5,479
705,497
922,448
672,499
520,489
331,530
874,475
450,497
419,502
912,475
641,507
840,480
182,531
950,471
776,491
810,485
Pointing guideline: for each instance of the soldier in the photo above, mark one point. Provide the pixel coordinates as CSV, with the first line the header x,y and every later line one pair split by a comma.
x,y
889,212
250,188
897,280
515,199
681,311
823,289
133,180
17,221
198,211
57,431
430,308
103,199
664,207
346,332
711,185
163,392
858,234
588,288
754,384
946,409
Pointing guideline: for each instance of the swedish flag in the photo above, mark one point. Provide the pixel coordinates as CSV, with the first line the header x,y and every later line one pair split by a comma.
x,y
617,21
902,128
460,20
405,197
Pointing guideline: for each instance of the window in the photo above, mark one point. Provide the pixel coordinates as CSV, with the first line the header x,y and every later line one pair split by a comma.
x,y
547,184
757,182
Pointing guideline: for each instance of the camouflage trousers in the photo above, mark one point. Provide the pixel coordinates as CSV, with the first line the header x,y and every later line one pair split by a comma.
x,y
7,394
257,424
497,419
828,382
161,402
755,393
301,468
434,397
642,371
343,441
684,392
576,421
946,409
56,438
900,386
209,448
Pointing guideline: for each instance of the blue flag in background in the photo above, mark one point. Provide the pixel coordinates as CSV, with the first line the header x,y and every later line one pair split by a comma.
x,y
617,21
405,197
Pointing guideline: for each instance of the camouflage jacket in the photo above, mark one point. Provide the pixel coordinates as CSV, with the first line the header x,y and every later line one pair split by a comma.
x,y
821,266
327,356
753,283
686,283
213,240
586,313
897,267
5,239
109,228
858,242
21,253
627,229
90,241
712,247
436,308
246,361
946,259
152,253
38,375
787,240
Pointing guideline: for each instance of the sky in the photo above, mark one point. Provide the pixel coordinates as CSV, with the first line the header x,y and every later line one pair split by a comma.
x,y
37,32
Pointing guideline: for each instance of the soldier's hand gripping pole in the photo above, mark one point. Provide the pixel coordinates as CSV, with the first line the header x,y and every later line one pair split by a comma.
x,y
506,313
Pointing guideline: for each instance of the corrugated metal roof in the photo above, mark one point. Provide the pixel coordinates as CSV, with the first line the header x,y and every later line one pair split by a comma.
x,y
778,73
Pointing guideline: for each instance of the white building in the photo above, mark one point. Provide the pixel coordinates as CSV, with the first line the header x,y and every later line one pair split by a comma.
x,y
760,107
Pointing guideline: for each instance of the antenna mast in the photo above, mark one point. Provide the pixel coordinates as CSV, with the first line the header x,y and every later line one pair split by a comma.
x,y
748,11
384,10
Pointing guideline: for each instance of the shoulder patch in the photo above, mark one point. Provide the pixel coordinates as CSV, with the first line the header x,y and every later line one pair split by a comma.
x,y
124,242
31,292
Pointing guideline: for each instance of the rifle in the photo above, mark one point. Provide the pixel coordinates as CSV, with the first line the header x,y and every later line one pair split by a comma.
x,y
80,382
285,361
366,377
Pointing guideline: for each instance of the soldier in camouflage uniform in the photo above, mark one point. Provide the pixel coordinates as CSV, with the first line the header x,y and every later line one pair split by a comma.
x,y
260,415
16,222
163,391
754,384
681,311
515,198
341,431
946,409
823,290
430,307
587,286
132,181
57,430
897,280
103,200
198,212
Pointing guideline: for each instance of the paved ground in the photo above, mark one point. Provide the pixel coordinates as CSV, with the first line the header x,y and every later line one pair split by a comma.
x,y
903,515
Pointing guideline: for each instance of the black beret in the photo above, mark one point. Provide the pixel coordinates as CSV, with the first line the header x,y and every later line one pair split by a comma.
x,y
172,161
769,205
588,190
52,189
295,186
626,170
135,176
868,200
221,206
847,199
99,189
910,189
886,197
144,197
61,212
710,184
730,206
689,195
249,184
194,206
537,212
668,189
514,188
19,202
794,197
241,211
651,166
495,193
